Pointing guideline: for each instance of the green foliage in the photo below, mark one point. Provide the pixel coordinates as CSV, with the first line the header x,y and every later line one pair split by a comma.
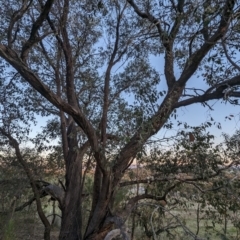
x,y
200,186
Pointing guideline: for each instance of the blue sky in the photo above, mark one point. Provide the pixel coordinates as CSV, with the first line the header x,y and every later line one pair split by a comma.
x,y
194,114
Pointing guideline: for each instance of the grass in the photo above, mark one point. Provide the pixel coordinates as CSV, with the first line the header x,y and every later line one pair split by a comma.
x,y
9,230
209,229
24,225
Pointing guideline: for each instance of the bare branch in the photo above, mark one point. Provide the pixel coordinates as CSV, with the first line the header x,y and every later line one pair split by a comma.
x,y
200,99
228,57
153,125
179,178
107,78
166,39
28,203
11,57
215,92
202,190
194,61
14,18
35,27
67,49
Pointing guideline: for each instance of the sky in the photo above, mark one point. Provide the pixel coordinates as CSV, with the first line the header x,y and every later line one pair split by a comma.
x,y
194,114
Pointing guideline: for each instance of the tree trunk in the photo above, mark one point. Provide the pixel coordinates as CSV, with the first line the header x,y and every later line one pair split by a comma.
x,y
96,228
71,209
71,212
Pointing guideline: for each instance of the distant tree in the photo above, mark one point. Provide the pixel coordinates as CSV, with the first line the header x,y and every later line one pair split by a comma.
x,y
16,118
196,182
88,66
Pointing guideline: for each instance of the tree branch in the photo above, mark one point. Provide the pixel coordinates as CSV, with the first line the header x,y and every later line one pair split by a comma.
x,y
218,93
107,81
14,18
12,58
28,203
228,57
67,49
194,61
35,27
177,178
153,124
13,142
166,39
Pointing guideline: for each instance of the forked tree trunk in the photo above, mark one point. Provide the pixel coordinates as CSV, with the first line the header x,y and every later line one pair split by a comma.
x,y
71,213
96,228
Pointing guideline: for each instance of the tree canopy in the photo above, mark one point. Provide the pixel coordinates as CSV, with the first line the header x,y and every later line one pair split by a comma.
x,y
87,66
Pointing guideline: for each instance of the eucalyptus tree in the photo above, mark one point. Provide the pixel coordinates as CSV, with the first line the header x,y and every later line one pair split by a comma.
x,y
88,64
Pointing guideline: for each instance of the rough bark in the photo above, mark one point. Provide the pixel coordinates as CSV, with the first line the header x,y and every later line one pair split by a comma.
x,y
72,205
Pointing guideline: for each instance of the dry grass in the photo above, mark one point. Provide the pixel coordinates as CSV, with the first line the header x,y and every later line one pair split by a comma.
x,y
24,225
